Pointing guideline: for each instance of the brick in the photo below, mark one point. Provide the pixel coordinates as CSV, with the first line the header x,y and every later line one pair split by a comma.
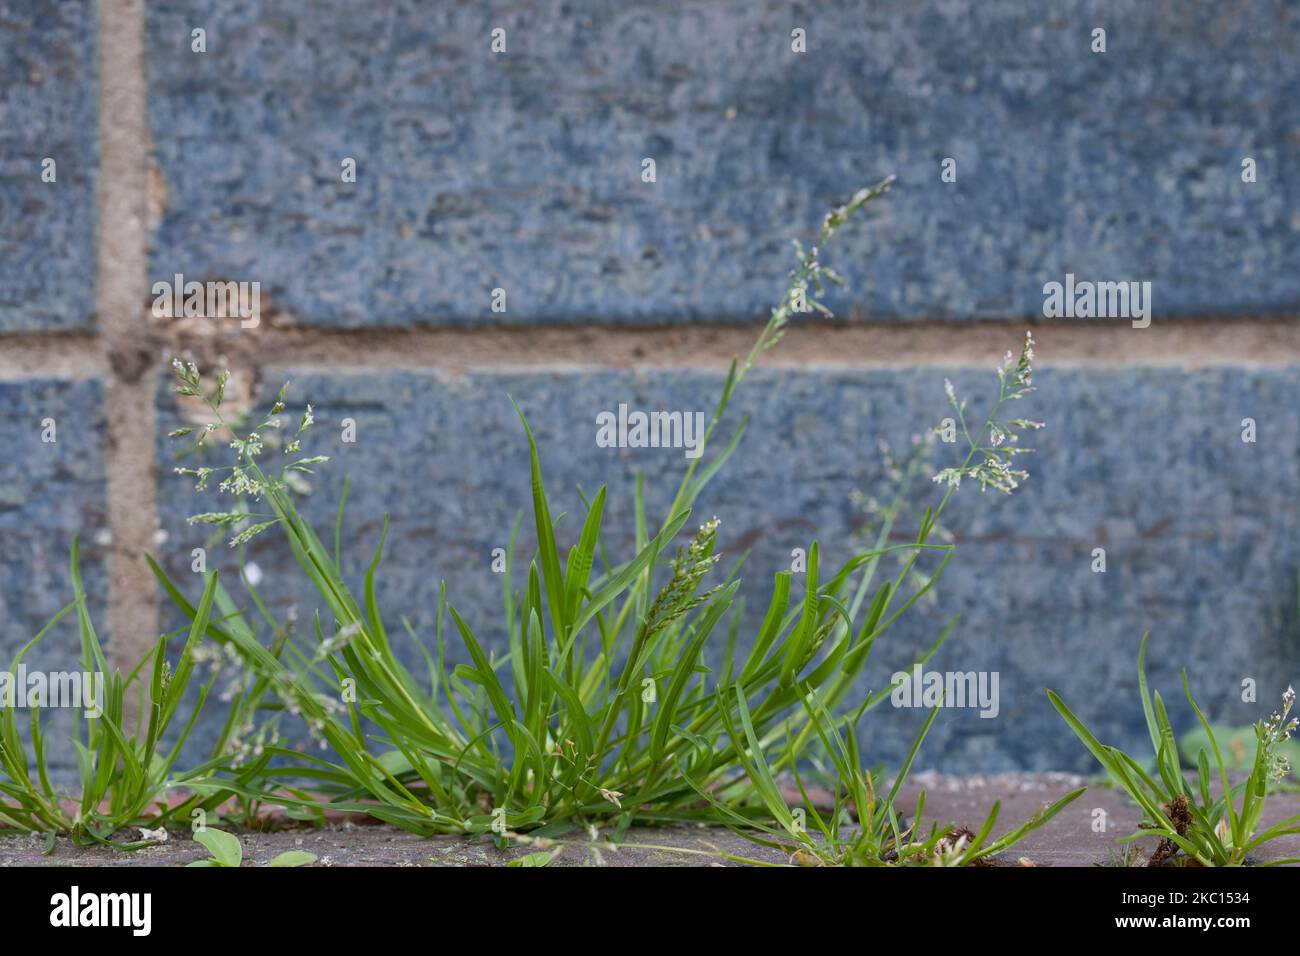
x,y
48,110
50,491
521,170
1147,463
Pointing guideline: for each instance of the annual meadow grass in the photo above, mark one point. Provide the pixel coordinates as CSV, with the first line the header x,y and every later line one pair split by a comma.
x,y
602,708
601,712
863,826
125,768
1195,824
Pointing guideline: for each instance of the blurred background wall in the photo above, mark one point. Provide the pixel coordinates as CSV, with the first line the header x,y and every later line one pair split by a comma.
x,y
502,146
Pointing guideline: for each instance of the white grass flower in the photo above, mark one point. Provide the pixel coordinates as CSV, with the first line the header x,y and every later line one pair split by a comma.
x,y
339,640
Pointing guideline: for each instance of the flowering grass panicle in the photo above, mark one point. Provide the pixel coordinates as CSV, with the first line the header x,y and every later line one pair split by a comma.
x,y
996,445
245,479
1278,730
678,596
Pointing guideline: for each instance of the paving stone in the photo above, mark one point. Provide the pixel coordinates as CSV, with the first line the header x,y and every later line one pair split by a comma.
x,y
1066,840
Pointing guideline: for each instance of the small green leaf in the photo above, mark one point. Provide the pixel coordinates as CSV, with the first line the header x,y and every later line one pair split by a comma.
x,y
294,858
223,846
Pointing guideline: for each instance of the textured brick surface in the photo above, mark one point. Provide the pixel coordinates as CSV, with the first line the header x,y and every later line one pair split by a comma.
x,y
1199,528
50,491
522,170
48,96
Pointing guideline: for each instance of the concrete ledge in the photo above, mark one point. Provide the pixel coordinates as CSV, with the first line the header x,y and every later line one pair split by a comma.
x,y
1066,840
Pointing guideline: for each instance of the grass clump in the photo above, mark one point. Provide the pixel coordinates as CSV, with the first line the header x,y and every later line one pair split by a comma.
x,y
609,699
602,710
1194,825
125,769
863,827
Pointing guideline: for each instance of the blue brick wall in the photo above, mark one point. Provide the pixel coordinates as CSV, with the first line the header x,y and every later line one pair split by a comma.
x,y
48,109
522,170
50,491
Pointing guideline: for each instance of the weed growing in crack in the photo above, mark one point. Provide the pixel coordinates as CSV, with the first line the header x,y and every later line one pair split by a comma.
x,y
125,772
874,834
602,710
225,850
1193,824
863,827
